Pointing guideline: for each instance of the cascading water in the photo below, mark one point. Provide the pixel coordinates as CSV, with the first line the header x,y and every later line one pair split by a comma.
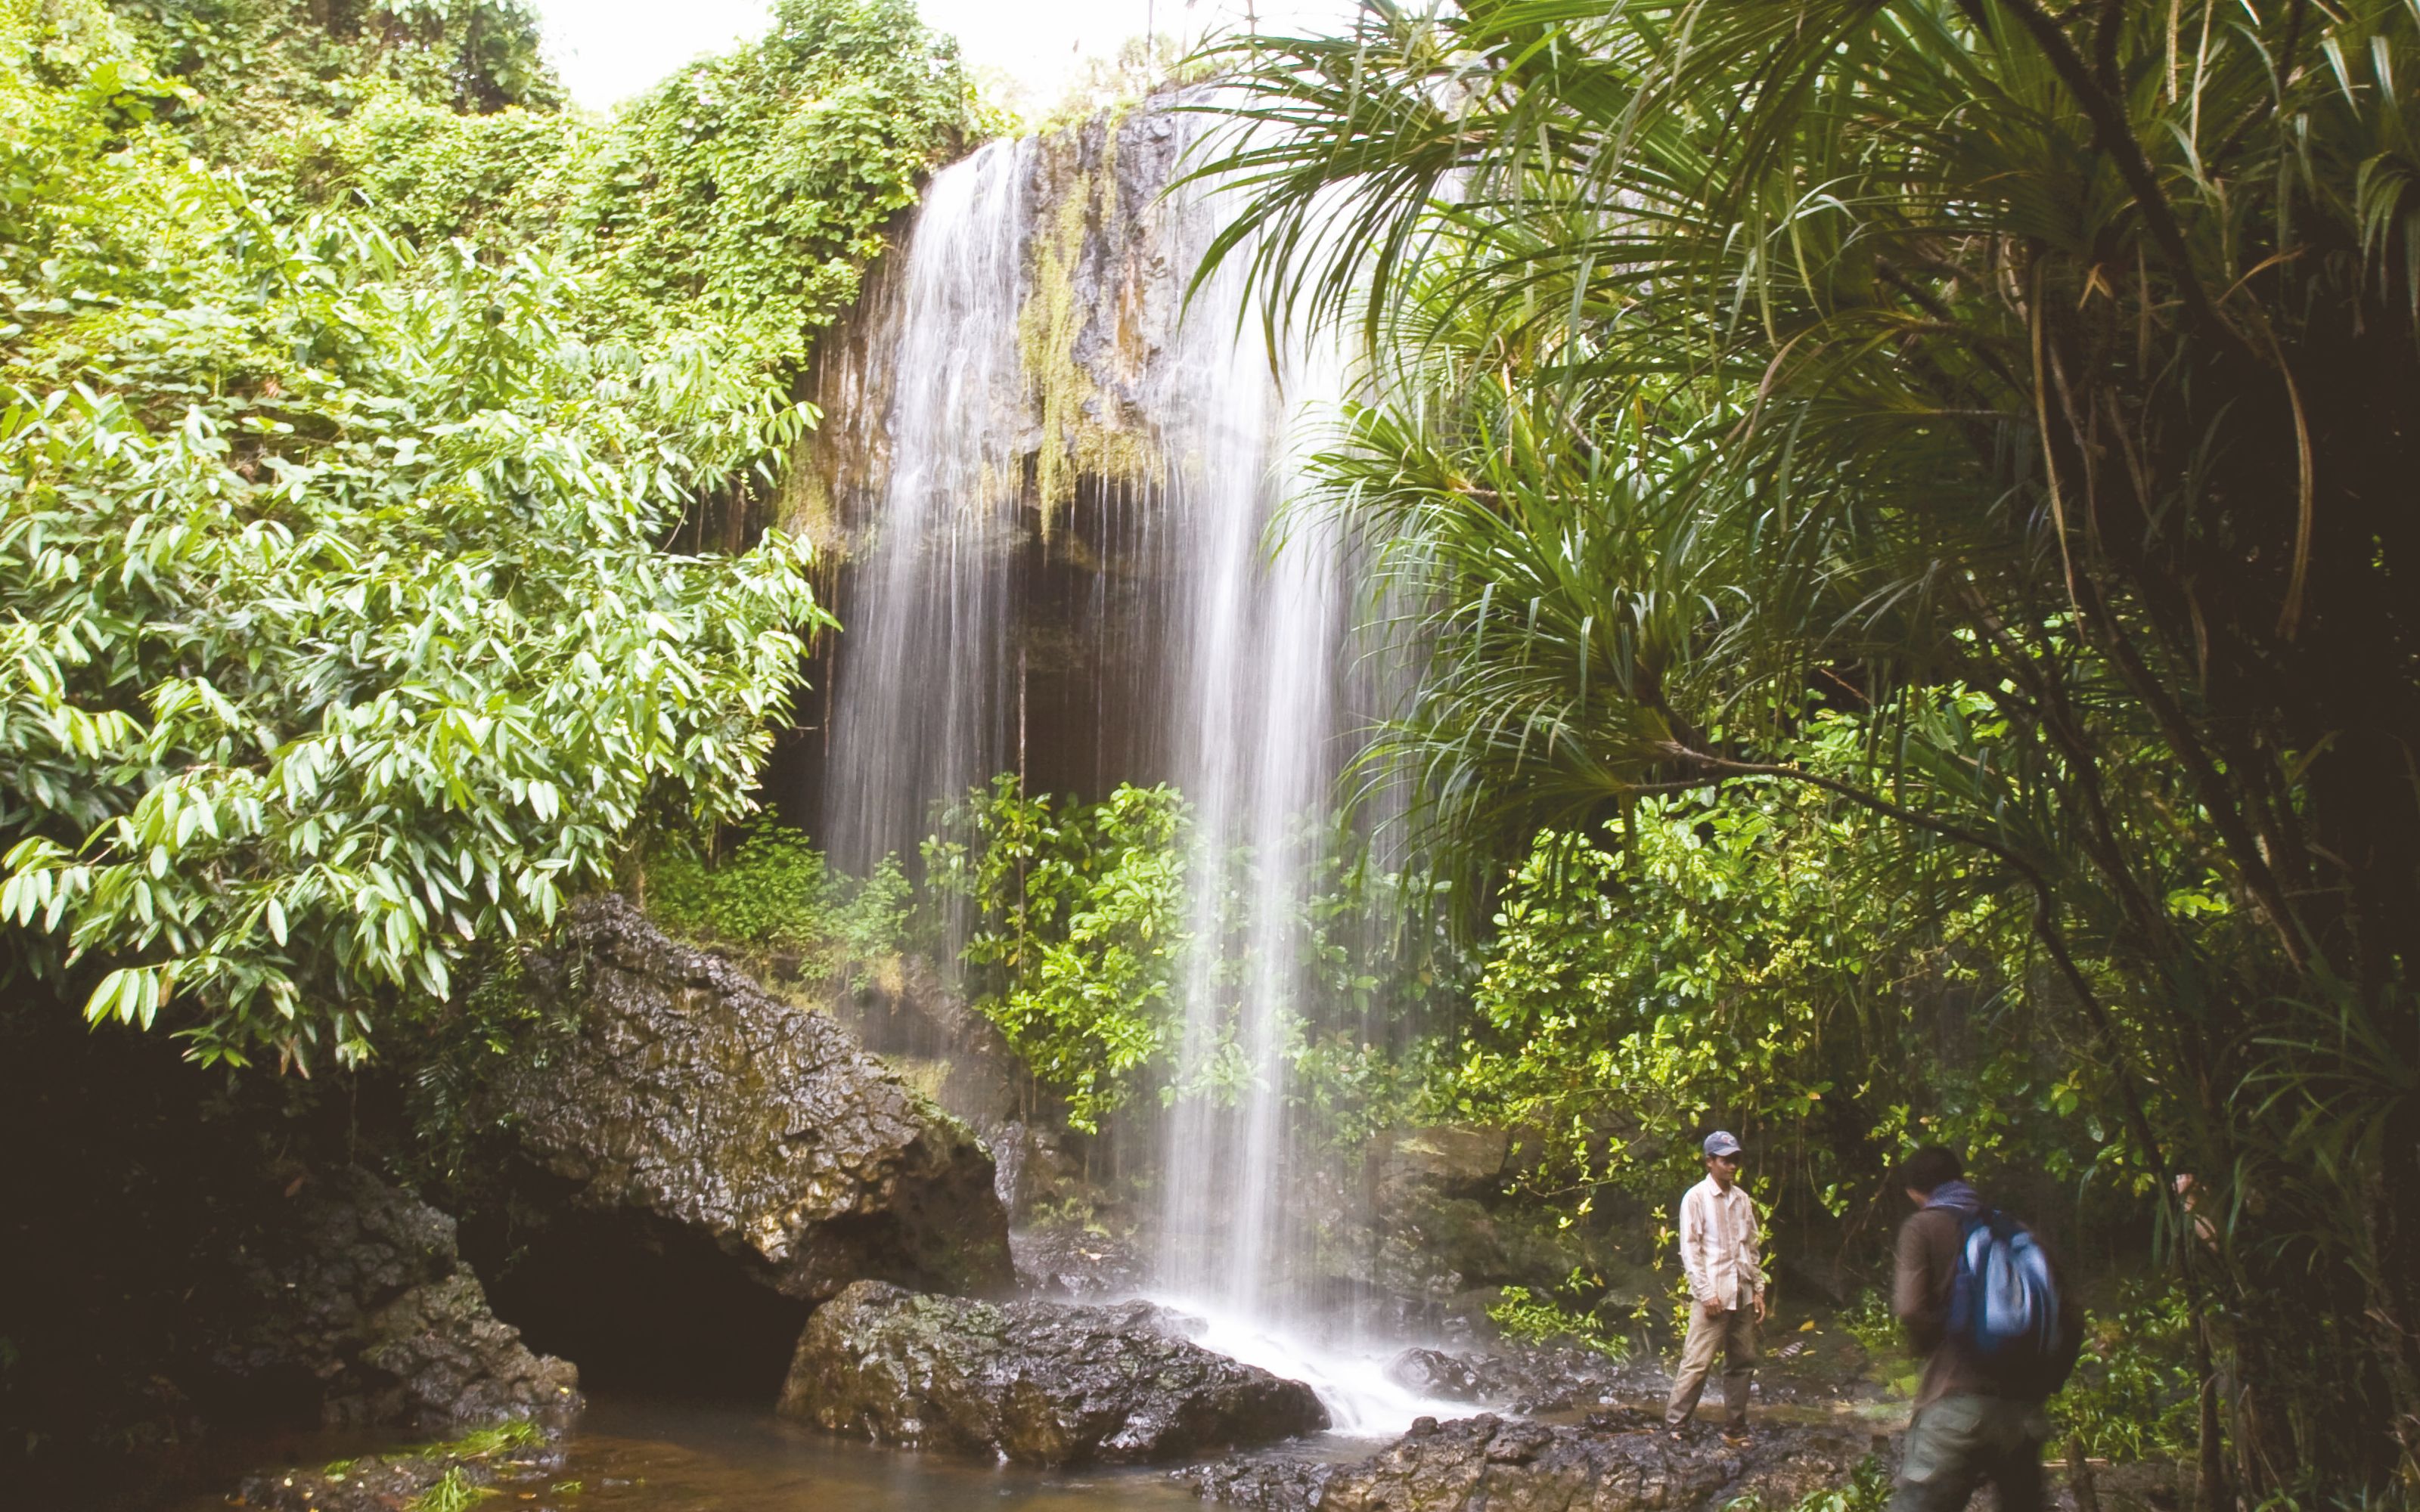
x,y
921,702
1035,334
1255,736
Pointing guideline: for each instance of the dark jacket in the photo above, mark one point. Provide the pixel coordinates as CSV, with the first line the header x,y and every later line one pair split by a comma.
x,y
1928,1264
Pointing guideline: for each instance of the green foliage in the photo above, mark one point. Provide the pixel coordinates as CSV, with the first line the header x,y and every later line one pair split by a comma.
x,y
494,1438
745,191
775,895
260,69
453,1492
1868,1490
734,203
1525,1319
452,1049
2133,1395
2025,380
1870,1323
338,634
1080,914
1083,931
427,172
1771,961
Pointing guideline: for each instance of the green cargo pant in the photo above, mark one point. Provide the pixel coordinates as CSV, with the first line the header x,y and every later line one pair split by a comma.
x,y
1958,1443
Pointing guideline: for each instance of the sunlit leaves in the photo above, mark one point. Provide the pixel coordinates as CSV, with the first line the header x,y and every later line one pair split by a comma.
x,y
1081,927
337,631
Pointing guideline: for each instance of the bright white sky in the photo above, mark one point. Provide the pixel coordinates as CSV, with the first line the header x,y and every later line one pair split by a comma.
x,y
609,50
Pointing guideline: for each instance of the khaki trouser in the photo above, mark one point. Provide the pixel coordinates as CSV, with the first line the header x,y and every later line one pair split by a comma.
x,y
1734,1333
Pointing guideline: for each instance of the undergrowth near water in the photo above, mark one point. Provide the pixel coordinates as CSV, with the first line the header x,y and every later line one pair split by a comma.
x,y
1868,1489
1080,913
1523,1317
1869,1320
773,895
495,1438
2133,1395
453,1492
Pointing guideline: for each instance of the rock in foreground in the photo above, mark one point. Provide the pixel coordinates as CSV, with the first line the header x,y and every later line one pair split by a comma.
x,y
1037,1382
362,1294
1616,1462
687,1093
461,1473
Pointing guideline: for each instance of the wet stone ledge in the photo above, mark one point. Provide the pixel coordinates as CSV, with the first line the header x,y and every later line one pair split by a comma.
x,y
1032,1383
1618,1461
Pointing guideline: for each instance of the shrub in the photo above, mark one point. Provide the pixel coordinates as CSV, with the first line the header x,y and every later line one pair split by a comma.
x,y
775,894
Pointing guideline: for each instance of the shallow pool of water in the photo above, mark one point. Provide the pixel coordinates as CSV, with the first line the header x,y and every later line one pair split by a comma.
x,y
634,1455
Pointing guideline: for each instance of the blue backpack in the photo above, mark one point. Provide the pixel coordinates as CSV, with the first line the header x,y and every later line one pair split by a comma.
x,y
2005,1304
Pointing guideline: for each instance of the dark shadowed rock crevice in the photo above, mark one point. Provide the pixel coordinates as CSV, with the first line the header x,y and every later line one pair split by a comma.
x,y
651,1307
197,1261
687,1093
1034,1382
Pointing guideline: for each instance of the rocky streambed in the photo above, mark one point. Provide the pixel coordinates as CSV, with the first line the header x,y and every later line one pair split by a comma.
x,y
1622,1461
685,1150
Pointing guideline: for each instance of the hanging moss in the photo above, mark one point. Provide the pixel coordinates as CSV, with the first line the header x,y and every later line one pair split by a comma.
x,y
1077,438
806,509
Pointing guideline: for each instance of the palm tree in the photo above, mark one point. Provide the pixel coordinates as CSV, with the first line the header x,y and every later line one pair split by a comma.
x,y
2041,384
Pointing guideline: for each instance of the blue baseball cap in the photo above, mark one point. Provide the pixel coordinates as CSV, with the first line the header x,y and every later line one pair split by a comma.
x,y
1721,1142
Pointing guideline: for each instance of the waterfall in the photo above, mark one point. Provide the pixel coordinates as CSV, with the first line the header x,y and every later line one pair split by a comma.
x,y
921,704
1254,732
1027,364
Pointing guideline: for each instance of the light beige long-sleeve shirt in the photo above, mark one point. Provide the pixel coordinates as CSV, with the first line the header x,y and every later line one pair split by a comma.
x,y
1718,1243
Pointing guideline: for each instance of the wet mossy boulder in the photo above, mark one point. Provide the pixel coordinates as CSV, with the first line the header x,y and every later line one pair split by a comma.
x,y
685,1092
1620,1462
360,1292
465,1472
1035,1382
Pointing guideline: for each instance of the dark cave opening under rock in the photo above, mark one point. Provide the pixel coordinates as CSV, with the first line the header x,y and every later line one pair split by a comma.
x,y
649,1308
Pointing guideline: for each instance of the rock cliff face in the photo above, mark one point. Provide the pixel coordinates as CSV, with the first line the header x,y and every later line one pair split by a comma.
x,y
1035,1382
363,1293
687,1093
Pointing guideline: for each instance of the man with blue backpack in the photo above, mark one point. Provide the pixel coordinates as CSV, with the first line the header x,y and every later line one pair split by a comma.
x,y
1982,1300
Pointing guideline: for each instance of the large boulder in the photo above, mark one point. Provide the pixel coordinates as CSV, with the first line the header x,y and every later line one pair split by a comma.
x,y
685,1092
361,1293
1619,1461
1036,1382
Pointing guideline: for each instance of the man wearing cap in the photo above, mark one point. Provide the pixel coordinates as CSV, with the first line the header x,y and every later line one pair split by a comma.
x,y
1718,1251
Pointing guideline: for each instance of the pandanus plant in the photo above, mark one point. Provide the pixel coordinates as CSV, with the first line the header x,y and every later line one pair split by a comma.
x,y
2037,384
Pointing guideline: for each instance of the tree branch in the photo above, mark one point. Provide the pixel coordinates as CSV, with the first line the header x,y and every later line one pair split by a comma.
x,y
2116,136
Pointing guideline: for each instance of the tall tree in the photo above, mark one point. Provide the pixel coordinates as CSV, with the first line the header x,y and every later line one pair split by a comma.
x,y
1735,359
